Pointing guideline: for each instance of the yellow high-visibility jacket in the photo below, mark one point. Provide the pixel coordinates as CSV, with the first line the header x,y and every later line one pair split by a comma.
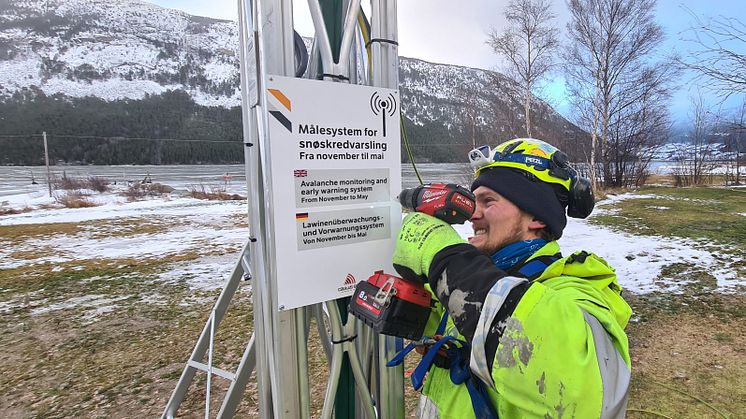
x,y
549,347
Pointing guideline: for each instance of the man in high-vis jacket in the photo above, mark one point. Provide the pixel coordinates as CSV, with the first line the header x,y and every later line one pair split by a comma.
x,y
520,331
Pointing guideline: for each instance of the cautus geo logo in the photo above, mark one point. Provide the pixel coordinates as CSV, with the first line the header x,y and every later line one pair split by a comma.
x,y
349,283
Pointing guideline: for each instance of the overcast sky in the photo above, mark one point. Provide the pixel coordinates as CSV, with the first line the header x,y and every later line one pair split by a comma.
x,y
454,32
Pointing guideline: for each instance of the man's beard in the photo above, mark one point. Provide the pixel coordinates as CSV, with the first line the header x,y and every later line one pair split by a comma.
x,y
516,235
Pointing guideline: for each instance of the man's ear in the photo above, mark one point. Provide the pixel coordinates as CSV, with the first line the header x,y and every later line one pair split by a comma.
x,y
536,224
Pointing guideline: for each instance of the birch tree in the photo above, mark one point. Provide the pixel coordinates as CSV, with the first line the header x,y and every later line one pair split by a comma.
x,y
696,159
610,75
736,144
529,44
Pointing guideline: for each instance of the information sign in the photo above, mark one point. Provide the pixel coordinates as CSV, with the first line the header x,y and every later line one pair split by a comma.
x,y
336,171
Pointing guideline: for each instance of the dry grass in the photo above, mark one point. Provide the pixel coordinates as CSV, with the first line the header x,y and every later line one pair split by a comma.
x,y
49,206
96,229
12,211
64,276
689,362
213,193
673,181
216,196
129,226
18,232
138,191
75,199
33,254
664,180
69,183
240,220
98,184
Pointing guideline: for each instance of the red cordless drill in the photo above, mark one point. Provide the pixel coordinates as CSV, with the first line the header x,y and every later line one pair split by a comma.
x,y
396,307
451,203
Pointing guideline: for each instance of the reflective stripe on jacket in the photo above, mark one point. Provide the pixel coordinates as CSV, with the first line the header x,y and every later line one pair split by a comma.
x,y
556,349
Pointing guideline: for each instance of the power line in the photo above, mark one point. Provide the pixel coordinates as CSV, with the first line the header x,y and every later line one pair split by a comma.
x,y
118,138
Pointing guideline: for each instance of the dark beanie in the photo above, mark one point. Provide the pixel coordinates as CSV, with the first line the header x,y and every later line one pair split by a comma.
x,y
540,199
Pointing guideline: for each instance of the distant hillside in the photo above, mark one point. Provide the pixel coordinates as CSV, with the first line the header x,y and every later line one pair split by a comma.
x,y
108,60
448,104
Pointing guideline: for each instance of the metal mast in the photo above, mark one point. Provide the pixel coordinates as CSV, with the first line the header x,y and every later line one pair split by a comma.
x,y
278,348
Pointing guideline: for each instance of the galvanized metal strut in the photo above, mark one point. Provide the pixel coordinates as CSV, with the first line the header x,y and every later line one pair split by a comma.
x,y
278,348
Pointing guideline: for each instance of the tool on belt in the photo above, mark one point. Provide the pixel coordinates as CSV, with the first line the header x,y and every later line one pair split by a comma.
x,y
396,307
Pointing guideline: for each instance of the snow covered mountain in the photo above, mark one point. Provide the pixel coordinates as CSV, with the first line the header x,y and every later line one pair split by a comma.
x,y
128,49
115,50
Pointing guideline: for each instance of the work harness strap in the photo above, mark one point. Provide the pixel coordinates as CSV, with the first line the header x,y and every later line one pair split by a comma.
x,y
458,369
460,373
399,357
535,267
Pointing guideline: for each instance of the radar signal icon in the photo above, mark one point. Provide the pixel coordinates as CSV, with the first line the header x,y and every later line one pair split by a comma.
x,y
384,106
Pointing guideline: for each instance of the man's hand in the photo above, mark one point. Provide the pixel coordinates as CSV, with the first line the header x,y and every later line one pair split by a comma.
x,y
420,238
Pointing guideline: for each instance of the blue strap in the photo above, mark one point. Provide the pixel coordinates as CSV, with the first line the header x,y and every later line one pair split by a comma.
x,y
418,376
532,268
461,374
399,357
535,267
480,402
536,161
459,370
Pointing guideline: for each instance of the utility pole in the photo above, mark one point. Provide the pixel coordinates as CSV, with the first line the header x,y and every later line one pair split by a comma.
x,y
46,161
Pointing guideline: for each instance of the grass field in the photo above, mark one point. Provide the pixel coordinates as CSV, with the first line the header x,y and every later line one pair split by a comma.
x,y
108,336
688,348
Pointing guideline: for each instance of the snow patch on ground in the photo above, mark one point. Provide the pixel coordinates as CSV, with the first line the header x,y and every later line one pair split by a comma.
x,y
639,260
97,303
209,273
209,229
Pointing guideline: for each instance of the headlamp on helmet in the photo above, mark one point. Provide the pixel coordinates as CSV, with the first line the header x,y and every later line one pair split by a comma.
x,y
540,161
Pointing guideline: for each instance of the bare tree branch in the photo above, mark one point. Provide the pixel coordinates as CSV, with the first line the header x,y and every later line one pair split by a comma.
x,y
529,44
720,54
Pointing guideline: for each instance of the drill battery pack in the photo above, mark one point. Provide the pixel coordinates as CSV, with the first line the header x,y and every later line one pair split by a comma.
x,y
392,306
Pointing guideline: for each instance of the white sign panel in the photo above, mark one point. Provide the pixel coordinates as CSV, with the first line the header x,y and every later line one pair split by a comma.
x,y
336,172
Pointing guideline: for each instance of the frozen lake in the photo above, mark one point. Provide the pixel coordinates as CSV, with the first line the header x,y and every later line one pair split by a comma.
x,y
18,179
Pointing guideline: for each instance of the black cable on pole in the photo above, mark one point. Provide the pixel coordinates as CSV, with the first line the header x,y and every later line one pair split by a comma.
x,y
381,40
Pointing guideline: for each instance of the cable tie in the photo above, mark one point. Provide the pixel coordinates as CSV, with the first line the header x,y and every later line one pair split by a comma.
x,y
381,40
334,76
347,339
